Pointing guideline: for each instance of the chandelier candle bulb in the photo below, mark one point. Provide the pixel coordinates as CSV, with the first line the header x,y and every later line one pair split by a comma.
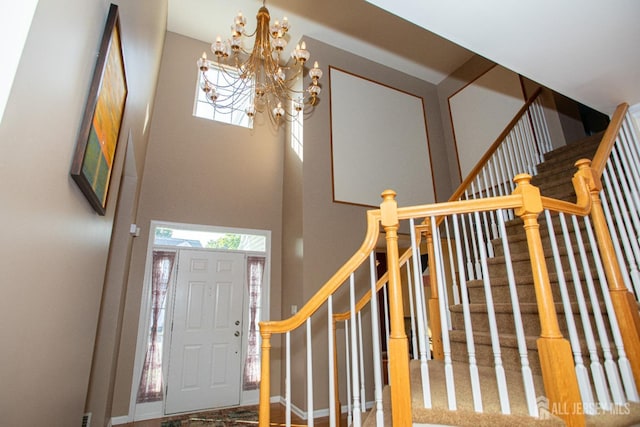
x,y
203,65
240,19
259,75
278,111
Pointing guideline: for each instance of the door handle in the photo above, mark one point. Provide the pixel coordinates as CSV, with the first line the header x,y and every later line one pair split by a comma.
x,y
237,322
237,333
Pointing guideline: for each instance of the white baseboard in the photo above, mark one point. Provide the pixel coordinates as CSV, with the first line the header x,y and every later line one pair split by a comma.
x,y
119,420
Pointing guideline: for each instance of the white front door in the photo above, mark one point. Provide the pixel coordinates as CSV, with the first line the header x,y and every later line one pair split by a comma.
x,y
206,339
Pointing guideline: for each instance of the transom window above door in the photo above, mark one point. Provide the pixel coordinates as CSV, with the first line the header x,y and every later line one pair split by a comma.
x,y
190,238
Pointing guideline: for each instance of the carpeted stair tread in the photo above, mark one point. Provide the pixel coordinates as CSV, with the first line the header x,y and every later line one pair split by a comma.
x,y
585,148
465,415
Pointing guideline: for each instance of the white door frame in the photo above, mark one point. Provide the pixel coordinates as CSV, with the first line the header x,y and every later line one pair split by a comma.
x,y
153,410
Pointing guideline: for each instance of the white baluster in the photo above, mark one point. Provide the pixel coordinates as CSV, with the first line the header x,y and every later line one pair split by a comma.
x,y
612,371
475,225
420,286
488,233
529,145
287,382
423,337
357,412
631,143
521,157
332,368
630,200
620,254
596,368
630,168
363,399
444,329
543,133
468,325
507,185
603,396
513,167
527,377
375,342
309,375
347,353
625,366
624,223
466,241
454,280
584,384
501,378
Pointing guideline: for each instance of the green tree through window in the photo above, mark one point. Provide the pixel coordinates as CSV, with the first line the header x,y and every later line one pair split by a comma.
x,y
228,241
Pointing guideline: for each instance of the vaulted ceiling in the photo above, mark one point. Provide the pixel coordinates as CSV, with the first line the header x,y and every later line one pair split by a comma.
x,y
584,49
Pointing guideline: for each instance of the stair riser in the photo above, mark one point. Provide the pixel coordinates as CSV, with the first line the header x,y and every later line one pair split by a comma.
x,y
526,293
511,359
530,323
515,227
518,244
522,268
510,353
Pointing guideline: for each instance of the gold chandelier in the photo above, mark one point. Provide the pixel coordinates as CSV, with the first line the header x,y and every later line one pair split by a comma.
x,y
260,78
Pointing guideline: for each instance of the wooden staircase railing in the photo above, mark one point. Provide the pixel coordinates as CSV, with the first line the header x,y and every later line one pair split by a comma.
x,y
483,196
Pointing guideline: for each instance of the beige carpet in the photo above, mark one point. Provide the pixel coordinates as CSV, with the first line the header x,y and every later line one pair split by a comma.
x,y
465,415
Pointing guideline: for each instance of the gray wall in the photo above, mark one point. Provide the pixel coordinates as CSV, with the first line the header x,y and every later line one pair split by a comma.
x,y
198,171
460,78
55,247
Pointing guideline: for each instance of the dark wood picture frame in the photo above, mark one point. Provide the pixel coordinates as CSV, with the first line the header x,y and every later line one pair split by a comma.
x,y
94,157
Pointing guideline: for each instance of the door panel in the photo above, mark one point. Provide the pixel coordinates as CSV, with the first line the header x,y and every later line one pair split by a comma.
x,y
206,340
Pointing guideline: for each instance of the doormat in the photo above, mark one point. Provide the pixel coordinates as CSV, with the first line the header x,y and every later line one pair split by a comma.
x,y
231,417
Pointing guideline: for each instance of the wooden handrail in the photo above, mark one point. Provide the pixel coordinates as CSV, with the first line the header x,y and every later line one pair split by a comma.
x,y
316,301
582,182
608,139
492,149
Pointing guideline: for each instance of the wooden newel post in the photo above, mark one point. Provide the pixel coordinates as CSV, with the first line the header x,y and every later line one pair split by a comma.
x,y
556,360
264,416
434,305
623,301
398,346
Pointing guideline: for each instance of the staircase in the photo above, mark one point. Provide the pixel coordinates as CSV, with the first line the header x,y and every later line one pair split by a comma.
x,y
554,180
482,344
